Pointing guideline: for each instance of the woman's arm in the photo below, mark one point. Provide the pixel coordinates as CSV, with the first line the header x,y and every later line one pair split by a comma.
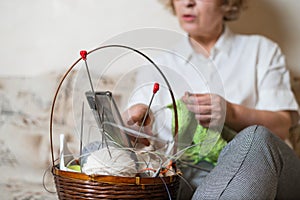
x,y
279,122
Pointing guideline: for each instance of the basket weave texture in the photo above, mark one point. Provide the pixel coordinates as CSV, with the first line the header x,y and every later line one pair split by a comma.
x,y
72,185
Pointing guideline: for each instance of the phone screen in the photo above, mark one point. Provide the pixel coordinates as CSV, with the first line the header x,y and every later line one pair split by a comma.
x,y
108,117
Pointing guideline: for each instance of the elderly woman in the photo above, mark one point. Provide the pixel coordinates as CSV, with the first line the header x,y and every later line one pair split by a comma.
x,y
258,105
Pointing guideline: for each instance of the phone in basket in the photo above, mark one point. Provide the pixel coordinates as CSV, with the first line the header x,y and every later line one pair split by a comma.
x,y
107,116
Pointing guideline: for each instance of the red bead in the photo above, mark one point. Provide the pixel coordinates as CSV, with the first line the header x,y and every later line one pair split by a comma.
x,y
83,54
155,87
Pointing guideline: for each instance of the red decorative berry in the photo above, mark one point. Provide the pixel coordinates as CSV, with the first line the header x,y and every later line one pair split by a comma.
x,y
155,87
83,54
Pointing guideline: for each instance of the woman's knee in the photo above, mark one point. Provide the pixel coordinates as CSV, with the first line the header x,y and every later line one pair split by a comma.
x,y
258,132
251,137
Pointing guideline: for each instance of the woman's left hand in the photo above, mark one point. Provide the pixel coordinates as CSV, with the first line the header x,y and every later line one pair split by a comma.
x,y
209,109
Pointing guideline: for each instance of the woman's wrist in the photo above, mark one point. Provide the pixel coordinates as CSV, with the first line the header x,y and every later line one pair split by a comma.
x,y
231,115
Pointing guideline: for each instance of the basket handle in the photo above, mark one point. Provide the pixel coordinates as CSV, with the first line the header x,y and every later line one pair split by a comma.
x,y
102,47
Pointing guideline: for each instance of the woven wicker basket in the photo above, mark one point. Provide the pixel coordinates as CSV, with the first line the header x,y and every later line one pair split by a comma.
x,y
76,185
72,185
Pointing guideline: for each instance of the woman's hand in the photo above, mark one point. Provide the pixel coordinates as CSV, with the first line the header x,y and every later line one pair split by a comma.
x,y
134,117
212,110
209,109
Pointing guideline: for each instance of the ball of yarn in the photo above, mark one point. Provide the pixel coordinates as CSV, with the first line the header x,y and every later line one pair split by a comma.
x,y
110,161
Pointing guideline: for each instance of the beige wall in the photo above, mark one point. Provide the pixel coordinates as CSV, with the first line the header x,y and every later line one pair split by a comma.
x,y
44,35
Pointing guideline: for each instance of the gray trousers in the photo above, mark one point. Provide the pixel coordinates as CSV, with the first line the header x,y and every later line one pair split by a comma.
x,y
256,164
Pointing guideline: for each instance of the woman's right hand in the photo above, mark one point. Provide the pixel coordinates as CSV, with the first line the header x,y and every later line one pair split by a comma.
x,y
133,118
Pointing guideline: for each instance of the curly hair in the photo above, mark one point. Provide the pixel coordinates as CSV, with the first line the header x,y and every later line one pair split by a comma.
x,y
232,8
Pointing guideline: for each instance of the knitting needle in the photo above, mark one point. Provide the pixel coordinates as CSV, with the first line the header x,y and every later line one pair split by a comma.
x,y
154,91
83,54
81,134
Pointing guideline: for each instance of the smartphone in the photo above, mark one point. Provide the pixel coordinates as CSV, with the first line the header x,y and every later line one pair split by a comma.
x,y
108,117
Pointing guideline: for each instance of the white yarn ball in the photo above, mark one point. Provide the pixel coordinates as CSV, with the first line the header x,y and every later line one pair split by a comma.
x,y
119,163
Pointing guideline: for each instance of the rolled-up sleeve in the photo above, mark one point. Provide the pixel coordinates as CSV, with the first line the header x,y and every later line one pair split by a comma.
x,y
274,89
276,100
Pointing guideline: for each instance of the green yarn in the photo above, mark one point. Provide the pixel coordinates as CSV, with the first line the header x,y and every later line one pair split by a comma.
x,y
205,144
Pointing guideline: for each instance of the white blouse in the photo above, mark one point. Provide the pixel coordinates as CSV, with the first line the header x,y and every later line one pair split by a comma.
x,y
249,70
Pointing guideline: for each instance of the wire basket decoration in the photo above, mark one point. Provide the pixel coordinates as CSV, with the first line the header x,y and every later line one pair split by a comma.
x,y
141,181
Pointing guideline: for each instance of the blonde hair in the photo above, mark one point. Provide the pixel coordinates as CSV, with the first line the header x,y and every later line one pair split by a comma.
x,y
232,8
